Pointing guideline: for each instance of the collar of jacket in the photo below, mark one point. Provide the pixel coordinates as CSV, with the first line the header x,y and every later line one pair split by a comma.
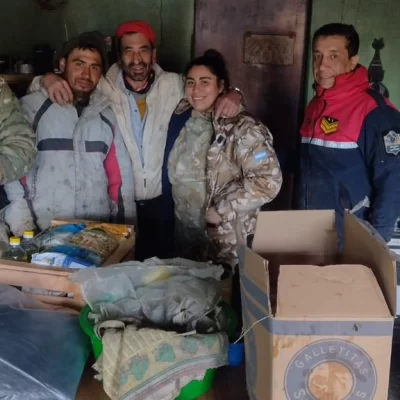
x,y
225,124
184,106
145,89
346,85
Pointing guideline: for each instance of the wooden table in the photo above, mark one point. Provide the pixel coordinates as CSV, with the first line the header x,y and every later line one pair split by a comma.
x,y
230,384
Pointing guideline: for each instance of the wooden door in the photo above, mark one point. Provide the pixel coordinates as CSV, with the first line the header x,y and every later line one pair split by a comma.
x,y
264,44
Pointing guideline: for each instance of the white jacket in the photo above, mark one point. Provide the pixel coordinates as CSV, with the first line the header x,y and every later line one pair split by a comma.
x,y
82,168
164,96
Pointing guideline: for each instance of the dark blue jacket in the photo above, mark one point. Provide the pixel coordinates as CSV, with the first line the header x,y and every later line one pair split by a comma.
x,y
350,151
176,124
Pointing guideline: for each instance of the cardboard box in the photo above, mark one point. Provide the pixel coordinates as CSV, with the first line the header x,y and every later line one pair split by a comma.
x,y
316,329
23,274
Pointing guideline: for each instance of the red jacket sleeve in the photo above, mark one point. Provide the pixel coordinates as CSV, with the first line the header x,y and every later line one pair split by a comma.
x,y
113,173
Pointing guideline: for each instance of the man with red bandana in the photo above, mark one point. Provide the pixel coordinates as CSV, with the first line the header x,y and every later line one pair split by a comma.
x,y
143,98
350,152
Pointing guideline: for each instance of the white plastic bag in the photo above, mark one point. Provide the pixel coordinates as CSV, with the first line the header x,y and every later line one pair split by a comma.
x,y
175,291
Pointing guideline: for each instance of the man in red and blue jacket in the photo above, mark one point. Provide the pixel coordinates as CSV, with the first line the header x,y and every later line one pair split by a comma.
x,y
350,151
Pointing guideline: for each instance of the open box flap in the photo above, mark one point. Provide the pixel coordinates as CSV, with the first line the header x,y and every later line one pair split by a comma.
x,y
361,247
254,277
298,232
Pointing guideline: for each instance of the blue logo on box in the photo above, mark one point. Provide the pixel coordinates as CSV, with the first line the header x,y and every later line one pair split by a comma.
x,y
331,369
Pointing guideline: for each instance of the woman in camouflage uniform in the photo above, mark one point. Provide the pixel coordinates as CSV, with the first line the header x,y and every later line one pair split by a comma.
x,y
220,171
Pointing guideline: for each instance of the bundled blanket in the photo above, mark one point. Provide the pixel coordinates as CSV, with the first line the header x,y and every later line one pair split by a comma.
x,y
151,364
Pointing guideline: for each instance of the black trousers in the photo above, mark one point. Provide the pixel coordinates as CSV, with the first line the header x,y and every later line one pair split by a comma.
x,y
236,292
237,298
155,229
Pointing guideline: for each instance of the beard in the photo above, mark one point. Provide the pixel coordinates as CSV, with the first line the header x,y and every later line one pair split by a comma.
x,y
141,76
82,98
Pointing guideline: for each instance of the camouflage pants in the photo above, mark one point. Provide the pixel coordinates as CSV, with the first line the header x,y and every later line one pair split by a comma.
x,y
223,243
217,244
225,238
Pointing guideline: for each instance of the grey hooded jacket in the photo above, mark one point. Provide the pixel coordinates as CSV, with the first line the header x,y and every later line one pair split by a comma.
x,y
82,168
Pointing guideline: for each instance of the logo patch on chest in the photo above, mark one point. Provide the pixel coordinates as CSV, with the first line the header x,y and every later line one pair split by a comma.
x,y
392,143
329,125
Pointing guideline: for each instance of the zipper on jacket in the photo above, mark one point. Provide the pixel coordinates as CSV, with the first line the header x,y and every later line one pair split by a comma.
x,y
144,174
142,161
308,170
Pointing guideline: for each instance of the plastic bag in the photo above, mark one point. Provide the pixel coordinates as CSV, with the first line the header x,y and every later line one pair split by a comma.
x,y
54,259
87,248
96,241
151,270
42,355
86,256
57,235
179,300
119,231
164,292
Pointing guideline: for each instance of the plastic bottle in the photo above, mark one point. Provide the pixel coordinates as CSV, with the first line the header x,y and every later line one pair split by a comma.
x,y
15,252
29,245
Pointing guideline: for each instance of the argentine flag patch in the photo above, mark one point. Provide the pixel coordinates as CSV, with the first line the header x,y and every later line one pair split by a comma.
x,y
261,156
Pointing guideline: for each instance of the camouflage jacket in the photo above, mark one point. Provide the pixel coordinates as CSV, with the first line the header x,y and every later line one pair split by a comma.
x,y
242,174
17,140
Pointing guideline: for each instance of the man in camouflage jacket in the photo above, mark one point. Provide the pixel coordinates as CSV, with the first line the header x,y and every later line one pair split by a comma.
x,y
17,144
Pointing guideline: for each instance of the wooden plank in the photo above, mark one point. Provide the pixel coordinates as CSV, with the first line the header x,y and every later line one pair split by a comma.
x,y
75,305
39,269
120,252
37,277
